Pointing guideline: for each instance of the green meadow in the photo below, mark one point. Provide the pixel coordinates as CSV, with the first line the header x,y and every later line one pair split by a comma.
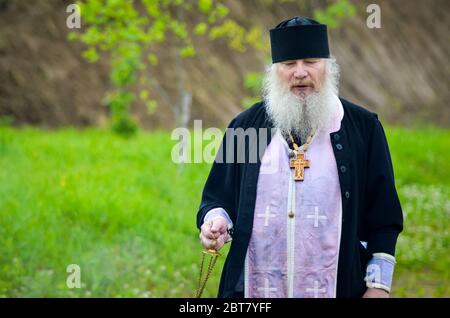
x,y
125,213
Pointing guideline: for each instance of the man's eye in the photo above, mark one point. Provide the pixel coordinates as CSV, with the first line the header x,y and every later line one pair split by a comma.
x,y
310,61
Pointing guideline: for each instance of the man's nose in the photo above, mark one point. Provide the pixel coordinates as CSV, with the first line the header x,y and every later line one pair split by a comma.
x,y
300,71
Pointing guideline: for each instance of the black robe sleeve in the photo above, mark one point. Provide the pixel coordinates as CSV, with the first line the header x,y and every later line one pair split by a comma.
x,y
222,186
383,214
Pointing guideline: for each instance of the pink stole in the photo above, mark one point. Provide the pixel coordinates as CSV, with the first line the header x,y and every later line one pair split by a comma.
x,y
296,256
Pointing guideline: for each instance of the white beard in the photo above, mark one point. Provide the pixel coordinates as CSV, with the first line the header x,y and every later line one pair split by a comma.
x,y
300,116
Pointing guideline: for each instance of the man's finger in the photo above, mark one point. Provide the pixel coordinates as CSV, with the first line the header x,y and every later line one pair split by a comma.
x,y
221,240
216,244
208,243
206,231
206,226
208,234
219,225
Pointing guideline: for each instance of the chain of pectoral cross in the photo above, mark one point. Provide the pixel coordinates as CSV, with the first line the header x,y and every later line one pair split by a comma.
x,y
299,162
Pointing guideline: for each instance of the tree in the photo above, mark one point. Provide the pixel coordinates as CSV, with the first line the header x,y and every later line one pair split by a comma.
x,y
130,31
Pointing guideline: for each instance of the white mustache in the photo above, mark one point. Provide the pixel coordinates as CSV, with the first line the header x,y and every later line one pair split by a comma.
x,y
302,84
291,113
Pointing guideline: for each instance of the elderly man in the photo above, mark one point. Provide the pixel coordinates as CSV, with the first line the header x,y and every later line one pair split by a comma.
x,y
318,215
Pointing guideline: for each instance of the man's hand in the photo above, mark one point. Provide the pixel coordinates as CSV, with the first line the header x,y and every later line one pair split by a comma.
x,y
375,293
214,233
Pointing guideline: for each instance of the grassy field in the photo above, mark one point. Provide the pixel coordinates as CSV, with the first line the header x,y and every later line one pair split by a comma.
x,y
125,213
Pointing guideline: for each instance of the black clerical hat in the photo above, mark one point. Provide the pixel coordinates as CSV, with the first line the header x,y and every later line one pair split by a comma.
x,y
299,38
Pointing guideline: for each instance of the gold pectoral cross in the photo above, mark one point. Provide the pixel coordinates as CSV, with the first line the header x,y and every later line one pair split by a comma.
x,y
299,163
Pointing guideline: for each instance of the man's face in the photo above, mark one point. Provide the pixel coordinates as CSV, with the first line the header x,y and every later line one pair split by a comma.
x,y
302,77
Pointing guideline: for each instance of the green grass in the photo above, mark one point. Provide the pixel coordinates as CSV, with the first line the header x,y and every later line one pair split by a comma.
x,y
125,213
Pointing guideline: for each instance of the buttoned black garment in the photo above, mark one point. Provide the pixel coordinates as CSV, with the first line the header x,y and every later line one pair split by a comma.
x,y
371,209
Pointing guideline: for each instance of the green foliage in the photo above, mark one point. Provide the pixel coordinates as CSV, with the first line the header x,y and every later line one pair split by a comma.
x,y
91,55
253,38
131,32
119,102
125,64
123,125
253,82
201,28
335,13
247,102
122,211
205,6
187,51
151,106
233,32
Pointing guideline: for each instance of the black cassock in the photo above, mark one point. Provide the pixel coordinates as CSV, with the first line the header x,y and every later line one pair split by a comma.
x,y
371,209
